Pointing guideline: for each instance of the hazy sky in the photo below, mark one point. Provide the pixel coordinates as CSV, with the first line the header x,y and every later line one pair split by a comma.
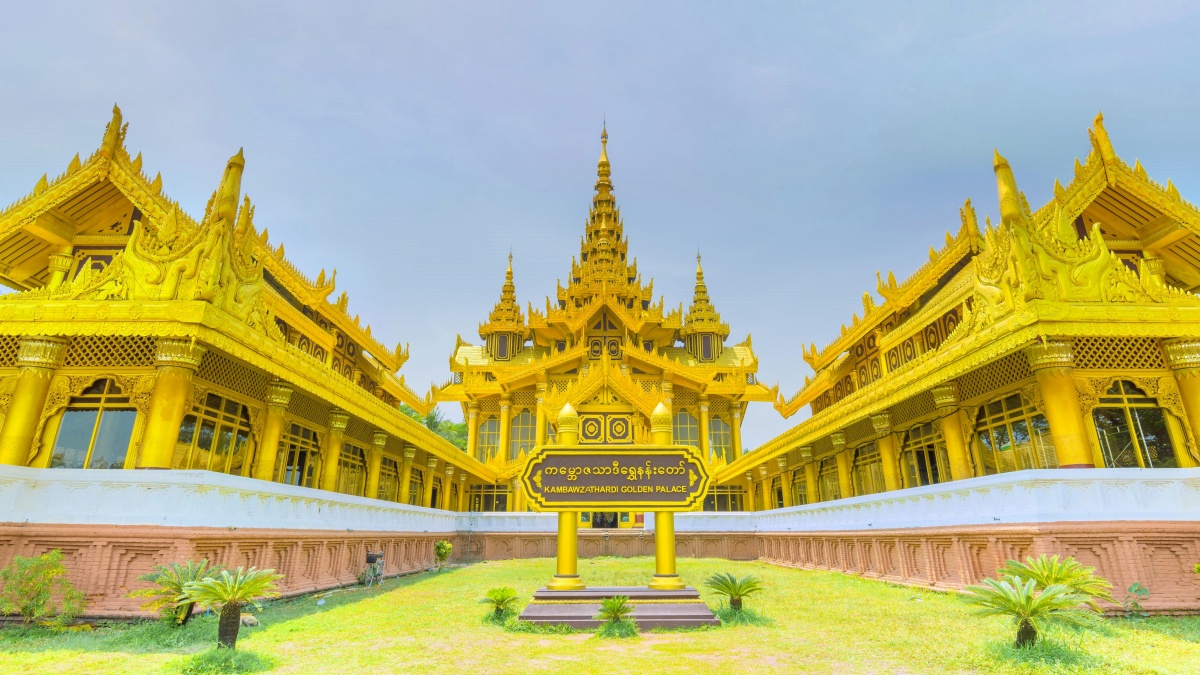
x,y
801,147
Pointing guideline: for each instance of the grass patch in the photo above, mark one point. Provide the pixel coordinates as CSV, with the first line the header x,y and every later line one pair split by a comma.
x,y
813,622
221,661
740,617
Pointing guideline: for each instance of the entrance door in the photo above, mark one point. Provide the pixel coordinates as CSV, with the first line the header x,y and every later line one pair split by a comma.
x,y
604,520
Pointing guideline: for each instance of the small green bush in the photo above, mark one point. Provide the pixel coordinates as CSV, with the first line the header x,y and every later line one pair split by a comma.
x,y
618,629
228,592
222,661
615,609
38,589
1033,609
441,551
502,600
733,588
167,596
1132,604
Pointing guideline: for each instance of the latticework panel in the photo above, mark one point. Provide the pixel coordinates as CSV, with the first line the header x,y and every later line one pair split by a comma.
x,y
684,397
1118,354
309,408
913,408
489,406
9,345
524,399
994,376
822,446
860,430
361,432
224,371
648,386
117,352
718,406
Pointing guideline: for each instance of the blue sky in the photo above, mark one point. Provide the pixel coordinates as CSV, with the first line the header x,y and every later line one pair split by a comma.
x,y
800,146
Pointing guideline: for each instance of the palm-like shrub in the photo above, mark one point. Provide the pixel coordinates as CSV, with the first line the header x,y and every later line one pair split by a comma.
x,y
229,592
1050,570
167,595
733,588
501,600
1033,609
615,609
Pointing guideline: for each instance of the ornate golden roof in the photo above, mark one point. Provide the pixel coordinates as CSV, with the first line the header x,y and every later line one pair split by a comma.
x,y
506,317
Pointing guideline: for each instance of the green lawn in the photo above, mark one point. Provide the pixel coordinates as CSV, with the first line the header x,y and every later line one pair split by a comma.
x,y
819,622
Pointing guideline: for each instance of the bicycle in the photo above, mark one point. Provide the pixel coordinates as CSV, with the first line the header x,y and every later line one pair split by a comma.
x,y
373,574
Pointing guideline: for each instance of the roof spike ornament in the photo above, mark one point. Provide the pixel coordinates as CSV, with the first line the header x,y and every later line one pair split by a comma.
x,y
114,134
1099,137
74,165
1006,189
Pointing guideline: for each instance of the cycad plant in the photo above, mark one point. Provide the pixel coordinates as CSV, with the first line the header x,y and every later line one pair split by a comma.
x,y
167,596
229,592
615,609
501,600
733,588
1033,609
1049,570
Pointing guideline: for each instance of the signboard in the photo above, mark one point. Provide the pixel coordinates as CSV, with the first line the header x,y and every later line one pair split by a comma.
x,y
634,478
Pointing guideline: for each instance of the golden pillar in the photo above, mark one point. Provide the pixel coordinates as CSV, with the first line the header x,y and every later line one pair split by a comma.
x,y
768,499
473,431
37,358
566,578
736,429
518,500
427,497
1052,362
704,427
785,482
811,489
375,463
750,505
60,266
945,398
889,457
462,491
540,436
338,419
844,462
279,395
1183,357
446,483
410,453
505,423
176,362
666,578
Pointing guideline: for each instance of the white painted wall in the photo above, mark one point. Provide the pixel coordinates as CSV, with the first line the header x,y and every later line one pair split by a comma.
x,y
204,499
197,499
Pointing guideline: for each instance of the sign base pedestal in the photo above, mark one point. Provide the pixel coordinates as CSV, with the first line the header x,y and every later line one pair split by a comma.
x,y
652,607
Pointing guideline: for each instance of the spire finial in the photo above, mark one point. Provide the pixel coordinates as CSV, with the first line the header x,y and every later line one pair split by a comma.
x,y
699,270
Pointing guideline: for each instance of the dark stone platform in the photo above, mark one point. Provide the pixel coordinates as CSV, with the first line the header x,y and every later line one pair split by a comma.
x,y
651,608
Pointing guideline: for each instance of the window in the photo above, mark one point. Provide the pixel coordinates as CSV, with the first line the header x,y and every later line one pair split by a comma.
x,y
487,498
1012,435
296,463
799,489
868,470
776,493
686,429
416,486
724,498
1133,429
95,430
352,470
923,459
215,436
706,347
389,480
827,480
489,438
720,440
502,347
523,432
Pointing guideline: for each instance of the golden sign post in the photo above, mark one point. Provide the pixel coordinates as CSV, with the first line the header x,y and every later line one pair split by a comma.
x,y
661,477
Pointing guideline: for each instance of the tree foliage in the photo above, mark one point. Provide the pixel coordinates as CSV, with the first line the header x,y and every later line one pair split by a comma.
x,y
435,421
38,589
228,592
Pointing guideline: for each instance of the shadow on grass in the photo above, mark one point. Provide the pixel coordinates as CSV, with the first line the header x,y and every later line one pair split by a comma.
x,y
154,636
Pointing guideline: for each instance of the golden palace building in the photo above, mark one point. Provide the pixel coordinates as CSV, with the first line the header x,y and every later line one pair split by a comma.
x,y
1064,337
172,388
605,346
138,337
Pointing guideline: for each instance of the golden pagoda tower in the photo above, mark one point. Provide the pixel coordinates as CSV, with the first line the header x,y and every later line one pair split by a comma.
x,y
603,345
